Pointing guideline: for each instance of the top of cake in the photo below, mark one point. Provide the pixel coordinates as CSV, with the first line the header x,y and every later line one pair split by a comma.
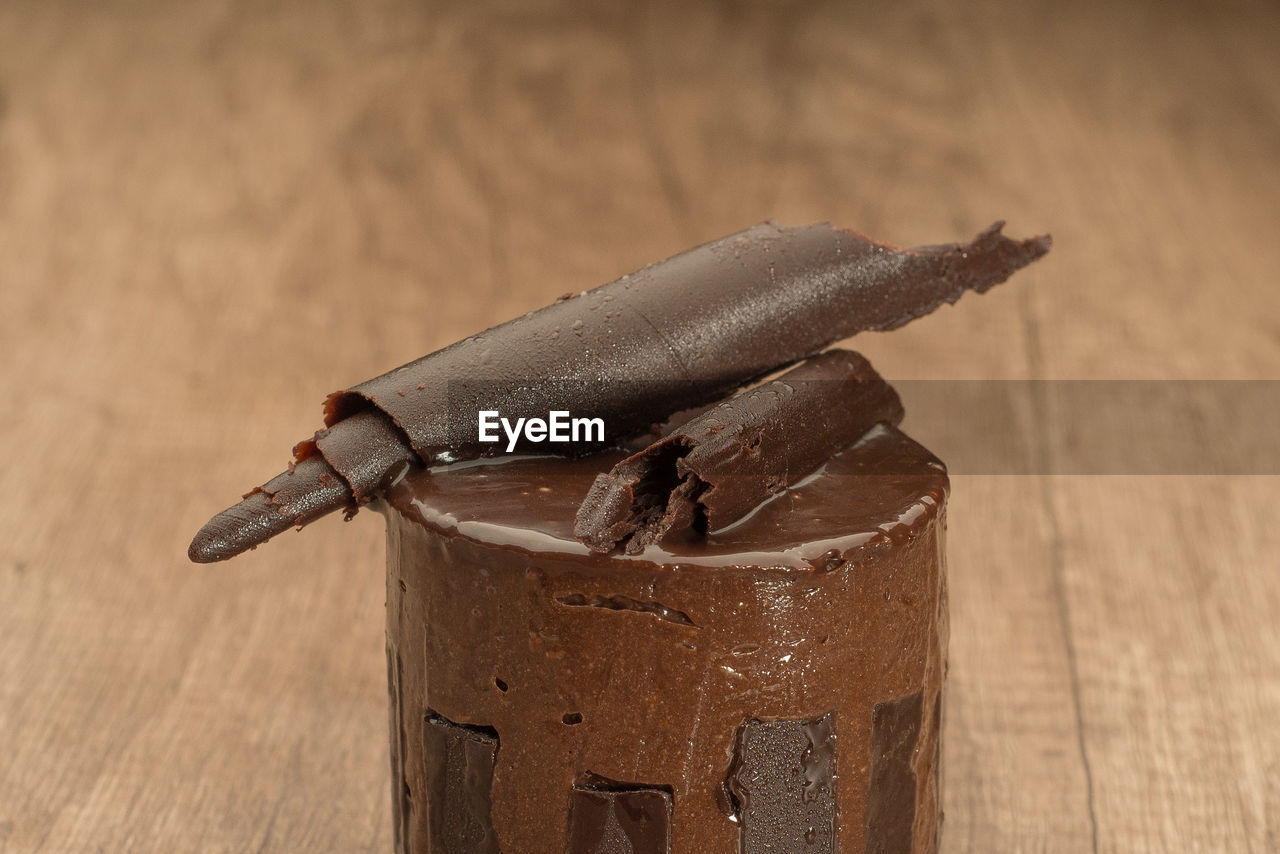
x,y
883,488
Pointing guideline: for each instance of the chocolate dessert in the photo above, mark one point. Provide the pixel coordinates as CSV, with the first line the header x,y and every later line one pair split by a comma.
x,y
773,687
724,635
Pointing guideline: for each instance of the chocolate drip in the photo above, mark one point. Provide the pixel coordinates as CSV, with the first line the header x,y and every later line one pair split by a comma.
x,y
782,786
891,795
717,467
674,335
606,817
460,763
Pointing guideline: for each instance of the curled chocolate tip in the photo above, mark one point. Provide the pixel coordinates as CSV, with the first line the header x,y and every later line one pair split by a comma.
x,y
293,498
236,530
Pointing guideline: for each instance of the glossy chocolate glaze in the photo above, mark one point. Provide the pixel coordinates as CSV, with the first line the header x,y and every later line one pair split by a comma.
x,y
691,669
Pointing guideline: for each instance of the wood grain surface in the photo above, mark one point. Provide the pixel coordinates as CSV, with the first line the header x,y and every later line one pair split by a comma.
x,y
212,214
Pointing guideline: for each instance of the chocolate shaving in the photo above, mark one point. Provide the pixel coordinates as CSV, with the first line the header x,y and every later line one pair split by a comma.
x,y
675,335
720,465
680,333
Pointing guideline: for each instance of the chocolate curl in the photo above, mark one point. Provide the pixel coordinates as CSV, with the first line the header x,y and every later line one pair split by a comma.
x,y
675,335
341,467
680,333
718,467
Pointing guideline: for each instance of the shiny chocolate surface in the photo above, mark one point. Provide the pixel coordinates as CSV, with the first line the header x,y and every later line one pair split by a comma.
x,y
880,487
745,675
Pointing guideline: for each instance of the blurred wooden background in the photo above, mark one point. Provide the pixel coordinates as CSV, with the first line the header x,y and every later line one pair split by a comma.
x,y
213,214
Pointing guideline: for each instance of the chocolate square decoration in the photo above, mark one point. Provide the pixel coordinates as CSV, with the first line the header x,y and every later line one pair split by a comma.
x,y
460,762
618,818
781,783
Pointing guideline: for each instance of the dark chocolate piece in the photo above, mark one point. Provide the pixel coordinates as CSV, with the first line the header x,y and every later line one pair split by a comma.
x,y
673,335
365,448
308,490
891,795
614,818
460,762
717,467
400,794
782,787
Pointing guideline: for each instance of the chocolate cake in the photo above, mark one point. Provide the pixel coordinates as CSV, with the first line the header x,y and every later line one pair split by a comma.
x,y
771,687
725,635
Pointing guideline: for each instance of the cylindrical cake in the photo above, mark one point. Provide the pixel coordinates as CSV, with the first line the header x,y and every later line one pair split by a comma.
x,y
775,686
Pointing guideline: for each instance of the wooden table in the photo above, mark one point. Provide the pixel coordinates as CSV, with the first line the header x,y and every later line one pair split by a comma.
x,y
213,214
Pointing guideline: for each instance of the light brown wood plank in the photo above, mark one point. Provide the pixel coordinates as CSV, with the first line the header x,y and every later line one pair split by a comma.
x,y
1165,582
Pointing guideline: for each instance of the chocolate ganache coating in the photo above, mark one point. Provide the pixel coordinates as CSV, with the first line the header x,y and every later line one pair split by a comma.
x,y
774,686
